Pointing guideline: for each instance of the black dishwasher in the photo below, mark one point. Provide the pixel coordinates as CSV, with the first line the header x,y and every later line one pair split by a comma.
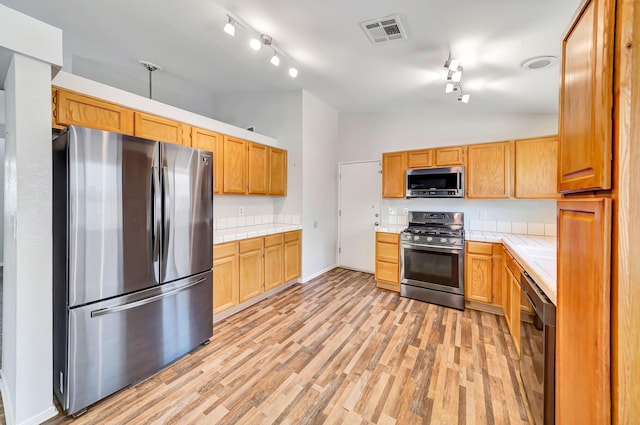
x,y
538,353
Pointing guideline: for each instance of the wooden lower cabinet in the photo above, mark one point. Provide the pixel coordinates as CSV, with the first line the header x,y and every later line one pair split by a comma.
x,y
273,261
478,270
514,305
292,255
225,276
247,268
388,261
583,316
251,264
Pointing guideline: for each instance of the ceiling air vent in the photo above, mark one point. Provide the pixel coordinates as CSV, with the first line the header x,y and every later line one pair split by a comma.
x,y
384,29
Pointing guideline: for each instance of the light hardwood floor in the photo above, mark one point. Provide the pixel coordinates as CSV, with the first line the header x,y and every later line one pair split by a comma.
x,y
335,350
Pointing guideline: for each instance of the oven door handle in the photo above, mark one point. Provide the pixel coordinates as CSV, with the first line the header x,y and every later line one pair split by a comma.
x,y
435,248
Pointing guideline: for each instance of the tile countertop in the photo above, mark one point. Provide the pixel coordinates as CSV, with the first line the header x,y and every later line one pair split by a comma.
x,y
536,254
246,232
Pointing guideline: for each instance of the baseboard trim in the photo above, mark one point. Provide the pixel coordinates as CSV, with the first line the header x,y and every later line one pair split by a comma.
x,y
36,419
356,269
321,272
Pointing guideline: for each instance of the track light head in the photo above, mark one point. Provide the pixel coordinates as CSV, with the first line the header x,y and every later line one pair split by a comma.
x,y
255,44
449,88
464,97
293,73
230,26
275,59
454,64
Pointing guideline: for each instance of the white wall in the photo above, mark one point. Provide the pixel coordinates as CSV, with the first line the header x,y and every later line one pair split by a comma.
x,y
365,136
277,114
319,186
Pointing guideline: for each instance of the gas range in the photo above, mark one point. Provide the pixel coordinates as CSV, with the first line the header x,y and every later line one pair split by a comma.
x,y
435,228
432,260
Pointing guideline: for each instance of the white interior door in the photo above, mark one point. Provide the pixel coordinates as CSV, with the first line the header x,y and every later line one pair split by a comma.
x,y
360,191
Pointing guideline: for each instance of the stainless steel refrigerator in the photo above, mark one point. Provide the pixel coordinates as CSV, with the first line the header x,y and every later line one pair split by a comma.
x,y
133,243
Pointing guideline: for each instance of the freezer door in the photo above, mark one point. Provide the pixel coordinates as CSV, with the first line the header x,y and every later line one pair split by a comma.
x,y
187,201
113,216
114,343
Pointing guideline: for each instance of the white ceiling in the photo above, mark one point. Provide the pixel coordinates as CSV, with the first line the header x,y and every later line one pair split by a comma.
x,y
336,61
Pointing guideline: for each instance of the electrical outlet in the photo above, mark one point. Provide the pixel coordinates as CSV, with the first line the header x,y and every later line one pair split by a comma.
x,y
241,211
393,211
483,215
405,211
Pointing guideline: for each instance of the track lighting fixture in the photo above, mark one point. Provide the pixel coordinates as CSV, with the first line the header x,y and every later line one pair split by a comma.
x,y
230,26
255,44
275,59
258,40
454,78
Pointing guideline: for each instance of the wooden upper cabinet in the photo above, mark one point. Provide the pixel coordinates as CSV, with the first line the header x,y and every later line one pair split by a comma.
x,y
488,173
161,129
393,175
210,141
586,99
449,156
420,159
583,312
277,172
536,162
257,169
234,159
71,108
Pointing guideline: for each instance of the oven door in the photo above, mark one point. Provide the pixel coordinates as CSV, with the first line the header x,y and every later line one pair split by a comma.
x,y
432,267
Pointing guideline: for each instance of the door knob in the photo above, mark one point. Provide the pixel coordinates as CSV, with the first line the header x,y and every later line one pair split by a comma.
x,y
376,224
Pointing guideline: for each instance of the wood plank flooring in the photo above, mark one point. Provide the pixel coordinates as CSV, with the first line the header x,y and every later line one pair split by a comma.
x,y
335,350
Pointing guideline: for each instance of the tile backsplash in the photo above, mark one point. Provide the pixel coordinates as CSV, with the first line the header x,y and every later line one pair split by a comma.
x,y
253,220
538,229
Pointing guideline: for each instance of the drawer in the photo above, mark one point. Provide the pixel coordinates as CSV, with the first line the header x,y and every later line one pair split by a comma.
x,y
226,249
479,248
387,272
388,237
272,240
292,236
389,252
251,244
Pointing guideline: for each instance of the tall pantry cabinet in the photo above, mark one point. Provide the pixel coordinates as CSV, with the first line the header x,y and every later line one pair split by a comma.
x,y
595,135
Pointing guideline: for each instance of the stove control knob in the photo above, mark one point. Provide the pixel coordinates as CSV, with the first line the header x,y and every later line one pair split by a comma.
x,y
415,238
443,240
429,238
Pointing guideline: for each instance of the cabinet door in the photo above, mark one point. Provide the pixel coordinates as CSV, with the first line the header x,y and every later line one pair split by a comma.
x,y
225,283
273,266
445,157
514,305
420,159
210,141
586,99
251,274
277,172
536,166
583,312
76,109
488,172
506,294
292,253
393,175
161,129
234,159
257,169
478,278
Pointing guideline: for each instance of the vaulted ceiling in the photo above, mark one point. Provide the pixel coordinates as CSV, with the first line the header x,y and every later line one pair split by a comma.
x,y
336,61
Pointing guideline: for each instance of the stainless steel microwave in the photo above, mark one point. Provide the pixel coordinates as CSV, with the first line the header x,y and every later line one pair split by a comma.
x,y
435,183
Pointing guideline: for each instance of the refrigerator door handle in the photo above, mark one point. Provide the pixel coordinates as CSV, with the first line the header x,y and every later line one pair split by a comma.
x,y
166,210
155,213
111,310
